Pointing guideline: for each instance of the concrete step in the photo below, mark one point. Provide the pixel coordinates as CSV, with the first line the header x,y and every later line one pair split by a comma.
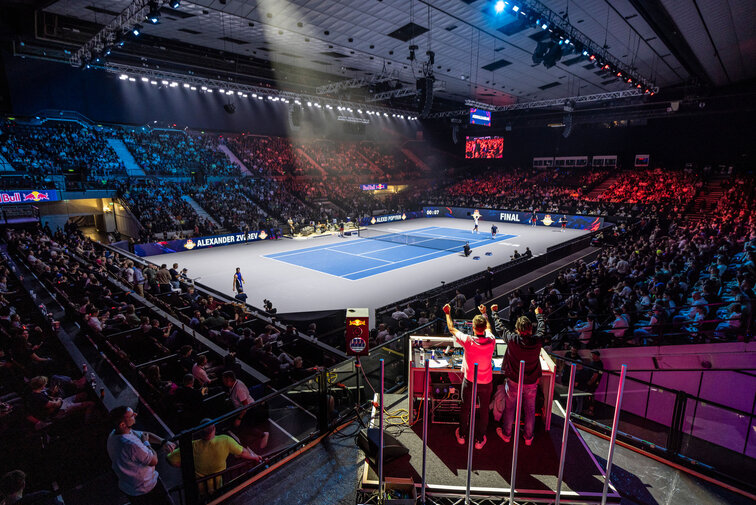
x,y
132,167
199,210
224,149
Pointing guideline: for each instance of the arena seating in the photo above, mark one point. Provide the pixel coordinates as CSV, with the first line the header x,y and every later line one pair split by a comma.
x,y
51,148
173,152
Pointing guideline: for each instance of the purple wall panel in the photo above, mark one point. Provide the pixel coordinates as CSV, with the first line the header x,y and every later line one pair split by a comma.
x,y
718,426
733,389
683,381
751,449
661,405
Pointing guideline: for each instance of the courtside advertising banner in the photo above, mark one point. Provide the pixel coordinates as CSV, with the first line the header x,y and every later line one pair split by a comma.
x,y
390,218
188,244
28,196
591,223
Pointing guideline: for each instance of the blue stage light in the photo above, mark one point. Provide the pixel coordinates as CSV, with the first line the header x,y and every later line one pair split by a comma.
x,y
499,7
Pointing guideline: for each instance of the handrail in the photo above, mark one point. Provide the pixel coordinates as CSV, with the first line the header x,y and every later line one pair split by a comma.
x,y
656,386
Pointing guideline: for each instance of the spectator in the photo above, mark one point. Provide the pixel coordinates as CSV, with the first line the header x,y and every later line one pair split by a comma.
x,y
134,459
210,454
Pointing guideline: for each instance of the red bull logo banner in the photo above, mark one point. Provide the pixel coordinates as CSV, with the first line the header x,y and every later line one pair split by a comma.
x,y
29,196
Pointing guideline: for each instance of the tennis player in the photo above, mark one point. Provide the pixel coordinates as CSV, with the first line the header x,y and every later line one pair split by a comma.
x,y
238,281
475,216
494,229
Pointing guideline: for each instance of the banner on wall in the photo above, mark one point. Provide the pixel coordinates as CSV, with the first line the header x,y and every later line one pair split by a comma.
x,y
390,218
189,244
591,223
29,196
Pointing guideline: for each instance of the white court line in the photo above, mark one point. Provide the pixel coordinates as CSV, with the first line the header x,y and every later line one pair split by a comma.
x,y
395,262
302,267
358,255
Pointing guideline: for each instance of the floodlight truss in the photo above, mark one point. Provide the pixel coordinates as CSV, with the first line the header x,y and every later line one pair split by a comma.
x,y
160,75
397,93
542,104
123,23
554,20
355,83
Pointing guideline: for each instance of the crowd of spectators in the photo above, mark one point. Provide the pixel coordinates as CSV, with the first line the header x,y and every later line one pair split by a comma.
x,y
54,148
663,281
567,191
340,159
161,210
175,153
268,156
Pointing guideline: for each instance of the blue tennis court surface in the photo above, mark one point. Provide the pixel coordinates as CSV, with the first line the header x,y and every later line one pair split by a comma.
x,y
360,258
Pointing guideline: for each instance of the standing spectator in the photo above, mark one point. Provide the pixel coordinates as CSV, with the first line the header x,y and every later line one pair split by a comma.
x,y
163,279
478,349
134,459
522,345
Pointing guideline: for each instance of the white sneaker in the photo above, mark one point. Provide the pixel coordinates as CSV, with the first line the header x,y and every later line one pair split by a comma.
x,y
505,438
479,445
460,439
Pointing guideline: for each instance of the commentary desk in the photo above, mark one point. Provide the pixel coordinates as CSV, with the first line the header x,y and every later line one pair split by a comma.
x,y
446,378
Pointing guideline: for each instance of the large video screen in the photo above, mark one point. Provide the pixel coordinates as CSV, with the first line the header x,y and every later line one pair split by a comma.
x,y
483,147
481,117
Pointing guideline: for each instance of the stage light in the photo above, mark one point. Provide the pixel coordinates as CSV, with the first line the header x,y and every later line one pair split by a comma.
x,y
136,30
123,77
359,110
154,83
144,79
630,81
204,88
309,104
544,26
499,7
270,97
187,85
220,90
619,74
174,84
516,8
193,88
132,79
593,57
175,4
153,16
164,83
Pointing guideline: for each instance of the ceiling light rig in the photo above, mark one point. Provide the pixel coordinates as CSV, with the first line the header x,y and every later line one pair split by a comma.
x,y
115,33
566,39
205,85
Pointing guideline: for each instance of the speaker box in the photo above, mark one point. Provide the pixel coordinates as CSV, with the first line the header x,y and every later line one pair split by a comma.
x,y
368,441
424,95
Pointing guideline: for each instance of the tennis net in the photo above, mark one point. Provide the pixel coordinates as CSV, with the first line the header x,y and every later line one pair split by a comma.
x,y
442,244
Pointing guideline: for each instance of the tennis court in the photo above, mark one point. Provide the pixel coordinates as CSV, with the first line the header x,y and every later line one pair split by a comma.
x,y
385,251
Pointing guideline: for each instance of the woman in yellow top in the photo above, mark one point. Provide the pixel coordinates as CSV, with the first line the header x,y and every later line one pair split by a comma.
x,y
210,455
